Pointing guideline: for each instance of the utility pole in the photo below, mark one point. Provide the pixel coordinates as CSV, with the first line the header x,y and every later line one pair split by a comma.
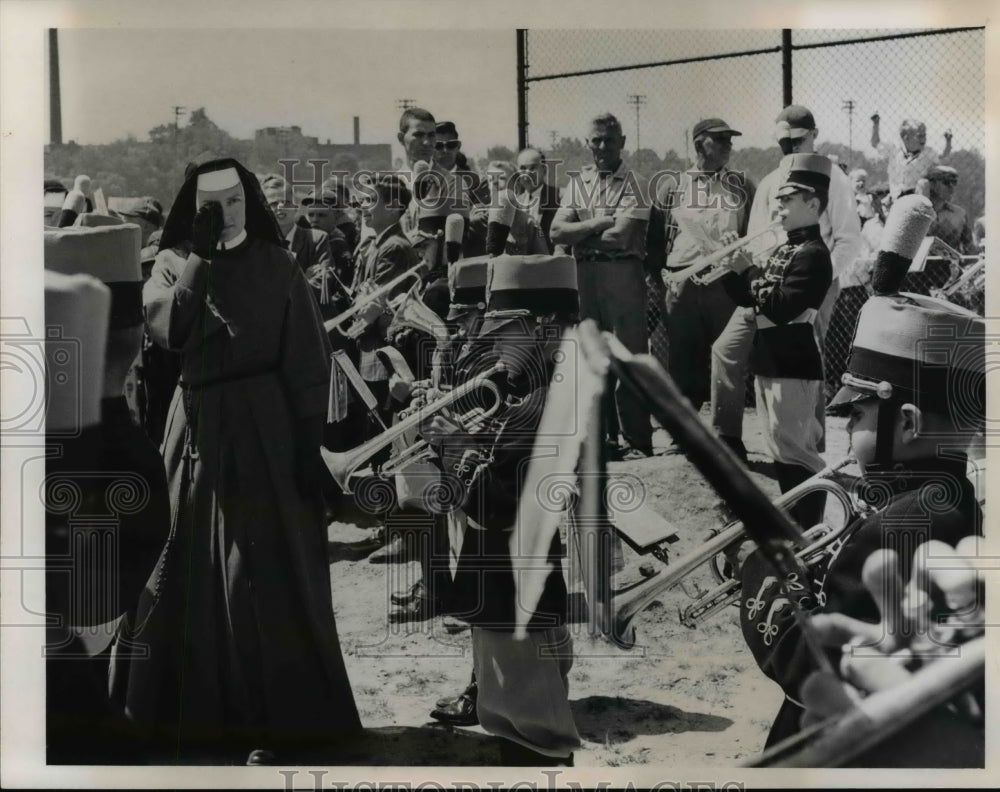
x,y
687,148
55,101
406,104
553,134
638,100
179,110
849,107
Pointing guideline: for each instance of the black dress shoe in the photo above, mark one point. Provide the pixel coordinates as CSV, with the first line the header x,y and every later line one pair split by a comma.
x,y
460,711
418,609
261,757
395,552
406,597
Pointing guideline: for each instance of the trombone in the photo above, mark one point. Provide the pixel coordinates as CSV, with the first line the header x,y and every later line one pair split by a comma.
x,y
344,466
676,278
364,300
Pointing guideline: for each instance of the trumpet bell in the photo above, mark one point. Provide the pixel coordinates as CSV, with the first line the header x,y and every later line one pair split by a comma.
x,y
411,312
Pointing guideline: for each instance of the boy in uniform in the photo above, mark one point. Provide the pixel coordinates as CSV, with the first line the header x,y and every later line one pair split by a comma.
x,y
786,358
915,391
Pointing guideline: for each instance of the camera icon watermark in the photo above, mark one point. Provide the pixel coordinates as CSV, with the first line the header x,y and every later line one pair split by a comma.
x,y
39,372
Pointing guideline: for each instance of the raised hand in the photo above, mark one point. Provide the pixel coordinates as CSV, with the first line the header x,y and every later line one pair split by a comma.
x,y
206,229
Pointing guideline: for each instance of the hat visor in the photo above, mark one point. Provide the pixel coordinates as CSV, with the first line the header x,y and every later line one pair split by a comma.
x,y
493,323
845,397
720,130
790,188
793,133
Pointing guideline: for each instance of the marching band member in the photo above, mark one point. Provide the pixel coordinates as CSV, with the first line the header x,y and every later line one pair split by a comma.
x,y
246,652
915,381
523,692
786,297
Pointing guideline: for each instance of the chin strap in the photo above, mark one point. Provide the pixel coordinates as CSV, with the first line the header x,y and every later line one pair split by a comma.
x,y
884,432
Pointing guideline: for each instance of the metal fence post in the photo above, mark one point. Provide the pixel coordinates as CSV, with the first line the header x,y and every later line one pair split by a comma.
x,y
786,67
522,88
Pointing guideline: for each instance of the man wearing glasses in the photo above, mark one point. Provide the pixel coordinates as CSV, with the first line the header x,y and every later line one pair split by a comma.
x,y
603,217
705,208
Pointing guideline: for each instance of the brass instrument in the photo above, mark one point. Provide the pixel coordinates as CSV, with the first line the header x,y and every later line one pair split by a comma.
x,y
363,300
411,312
762,244
344,466
968,283
630,603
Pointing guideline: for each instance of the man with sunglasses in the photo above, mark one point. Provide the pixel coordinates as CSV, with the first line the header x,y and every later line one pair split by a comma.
x,y
952,223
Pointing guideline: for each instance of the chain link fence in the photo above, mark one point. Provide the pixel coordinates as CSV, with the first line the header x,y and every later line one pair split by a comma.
x,y
659,83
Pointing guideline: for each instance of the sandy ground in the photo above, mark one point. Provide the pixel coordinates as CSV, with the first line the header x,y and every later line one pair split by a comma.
x,y
681,696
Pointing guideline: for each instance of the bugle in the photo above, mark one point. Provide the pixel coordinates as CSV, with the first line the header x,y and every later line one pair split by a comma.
x,y
344,466
363,300
677,277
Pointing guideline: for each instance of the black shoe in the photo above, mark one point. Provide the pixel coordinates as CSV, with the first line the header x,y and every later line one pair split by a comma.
x,y
396,552
419,609
515,755
612,451
406,597
261,757
633,454
736,446
460,711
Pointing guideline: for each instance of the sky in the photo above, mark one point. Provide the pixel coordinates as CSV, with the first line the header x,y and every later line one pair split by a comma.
x,y
319,79
315,79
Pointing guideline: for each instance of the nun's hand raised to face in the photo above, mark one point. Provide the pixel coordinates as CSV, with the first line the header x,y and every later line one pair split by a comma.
x,y
206,229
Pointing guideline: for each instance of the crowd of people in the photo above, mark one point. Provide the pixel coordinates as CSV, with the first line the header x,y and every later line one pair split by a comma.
x,y
270,337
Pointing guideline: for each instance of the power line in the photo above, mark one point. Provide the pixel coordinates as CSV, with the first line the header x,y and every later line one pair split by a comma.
x,y
638,100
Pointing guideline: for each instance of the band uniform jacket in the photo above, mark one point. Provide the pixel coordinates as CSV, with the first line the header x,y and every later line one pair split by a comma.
x,y
380,258
914,514
483,592
243,638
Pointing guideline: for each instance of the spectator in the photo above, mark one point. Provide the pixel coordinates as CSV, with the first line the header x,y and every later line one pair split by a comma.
x,y
952,223
604,221
863,198
909,164
707,208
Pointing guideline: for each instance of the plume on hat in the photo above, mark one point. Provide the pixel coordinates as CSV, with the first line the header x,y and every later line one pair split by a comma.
x,y
905,228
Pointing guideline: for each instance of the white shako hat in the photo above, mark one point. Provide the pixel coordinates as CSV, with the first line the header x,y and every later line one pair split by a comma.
x,y
216,180
109,253
924,350
905,228
529,287
77,308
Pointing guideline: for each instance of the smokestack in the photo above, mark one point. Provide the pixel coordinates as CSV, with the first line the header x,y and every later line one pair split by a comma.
x,y
357,130
55,107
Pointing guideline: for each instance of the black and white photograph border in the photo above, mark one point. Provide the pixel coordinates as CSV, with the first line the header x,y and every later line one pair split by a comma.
x,y
683,709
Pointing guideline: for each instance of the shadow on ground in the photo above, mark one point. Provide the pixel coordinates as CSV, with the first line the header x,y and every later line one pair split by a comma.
x,y
612,719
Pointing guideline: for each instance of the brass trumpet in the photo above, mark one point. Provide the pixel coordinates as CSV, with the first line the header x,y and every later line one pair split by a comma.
x,y
364,300
629,604
675,279
344,466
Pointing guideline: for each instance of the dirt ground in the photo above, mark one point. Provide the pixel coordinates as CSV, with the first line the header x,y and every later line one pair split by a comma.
x,y
681,696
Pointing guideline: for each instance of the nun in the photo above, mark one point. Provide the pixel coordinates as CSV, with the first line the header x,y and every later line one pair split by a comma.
x,y
244,653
